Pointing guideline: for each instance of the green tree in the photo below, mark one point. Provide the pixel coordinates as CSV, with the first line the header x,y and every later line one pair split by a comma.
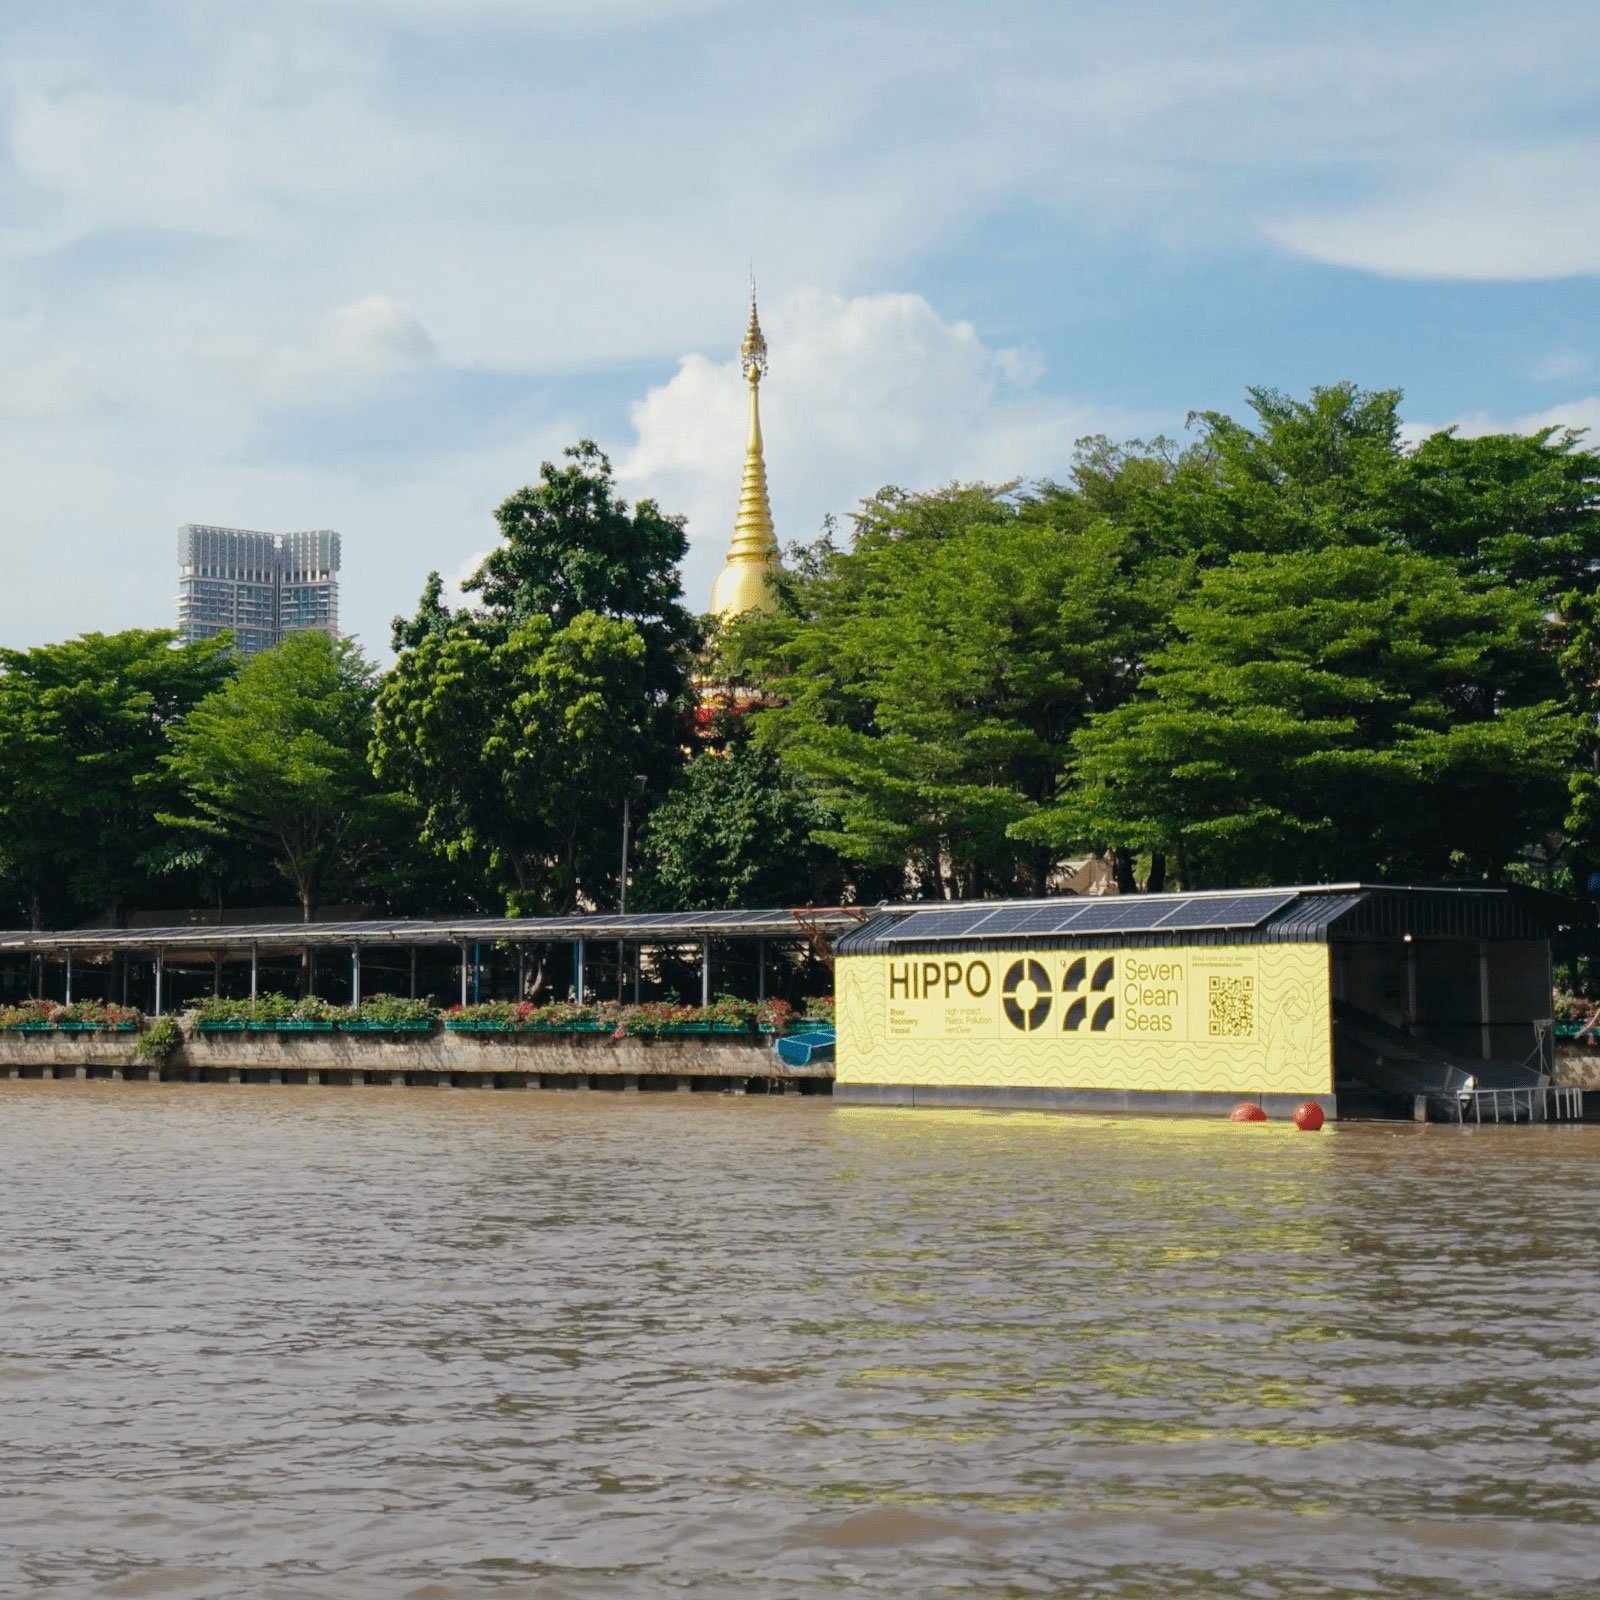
x,y
734,830
278,757
1517,508
1309,474
517,744
1329,714
433,616
570,544
925,681
84,726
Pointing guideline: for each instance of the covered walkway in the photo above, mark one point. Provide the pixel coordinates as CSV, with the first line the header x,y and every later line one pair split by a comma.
x,y
475,957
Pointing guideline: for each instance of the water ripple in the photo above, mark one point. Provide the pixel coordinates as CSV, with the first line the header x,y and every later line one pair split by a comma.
x,y
335,1343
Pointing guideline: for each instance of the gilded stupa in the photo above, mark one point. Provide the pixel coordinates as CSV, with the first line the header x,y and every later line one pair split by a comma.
x,y
753,554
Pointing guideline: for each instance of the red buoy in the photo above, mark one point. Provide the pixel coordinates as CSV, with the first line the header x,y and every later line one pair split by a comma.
x,y
1308,1116
1247,1111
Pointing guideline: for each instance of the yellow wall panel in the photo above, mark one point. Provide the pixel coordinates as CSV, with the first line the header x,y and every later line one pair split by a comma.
x,y
1225,1019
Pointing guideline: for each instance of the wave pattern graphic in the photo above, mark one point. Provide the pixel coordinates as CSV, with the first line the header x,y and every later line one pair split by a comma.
x,y
1288,1051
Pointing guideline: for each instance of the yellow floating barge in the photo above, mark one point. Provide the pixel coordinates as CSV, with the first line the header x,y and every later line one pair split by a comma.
x,y
1373,1000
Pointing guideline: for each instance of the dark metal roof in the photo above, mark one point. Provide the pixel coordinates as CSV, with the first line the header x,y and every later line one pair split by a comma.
x,y
1290,915
669,927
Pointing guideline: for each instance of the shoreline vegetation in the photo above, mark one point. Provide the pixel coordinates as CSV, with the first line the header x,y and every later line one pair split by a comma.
x,y
1296,646
278,1013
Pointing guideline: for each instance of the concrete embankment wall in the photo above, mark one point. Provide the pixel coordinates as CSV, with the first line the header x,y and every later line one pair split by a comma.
x,y
1578,1065
462,1060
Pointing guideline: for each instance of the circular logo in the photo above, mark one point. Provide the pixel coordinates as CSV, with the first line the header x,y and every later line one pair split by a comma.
x,y
1025,995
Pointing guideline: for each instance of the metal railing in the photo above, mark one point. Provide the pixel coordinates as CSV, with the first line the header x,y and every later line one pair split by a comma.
x,y
1551,1102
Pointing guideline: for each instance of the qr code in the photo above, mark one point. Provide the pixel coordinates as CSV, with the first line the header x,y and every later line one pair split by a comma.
x,y
1233,1008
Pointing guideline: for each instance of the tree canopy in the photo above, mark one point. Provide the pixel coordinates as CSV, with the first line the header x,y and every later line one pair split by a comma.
x,y
278,756
517,746
1298,643
736,829
1345,712
83,729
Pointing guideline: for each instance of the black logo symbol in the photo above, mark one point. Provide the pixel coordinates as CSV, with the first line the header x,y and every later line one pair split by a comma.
x,y
1018,973
1079,1009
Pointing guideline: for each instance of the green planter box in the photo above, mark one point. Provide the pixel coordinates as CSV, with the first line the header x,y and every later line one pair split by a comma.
x,y
473,1026
221,1026
306,1026
413,1026
730,1027
95,1027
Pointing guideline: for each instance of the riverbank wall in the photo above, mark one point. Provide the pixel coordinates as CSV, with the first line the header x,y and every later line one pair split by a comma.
x,y
440,1059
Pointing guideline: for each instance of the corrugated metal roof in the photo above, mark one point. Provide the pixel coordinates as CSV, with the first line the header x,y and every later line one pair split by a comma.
x,y
649,927
1309,914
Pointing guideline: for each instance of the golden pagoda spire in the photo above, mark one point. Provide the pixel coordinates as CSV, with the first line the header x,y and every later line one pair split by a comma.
x,y
742,583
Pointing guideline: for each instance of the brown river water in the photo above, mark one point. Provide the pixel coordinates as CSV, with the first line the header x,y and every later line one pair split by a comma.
x,y
426,1344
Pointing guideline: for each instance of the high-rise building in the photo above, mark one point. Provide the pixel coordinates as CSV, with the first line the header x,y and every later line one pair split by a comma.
x,y
258,586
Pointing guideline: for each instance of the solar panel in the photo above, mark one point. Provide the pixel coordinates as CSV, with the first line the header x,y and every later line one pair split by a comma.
x,y
1228,911
959,922
1115,916
1087,917
1020,920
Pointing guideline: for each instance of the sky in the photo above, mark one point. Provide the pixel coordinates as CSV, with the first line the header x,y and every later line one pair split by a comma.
x,y
363,264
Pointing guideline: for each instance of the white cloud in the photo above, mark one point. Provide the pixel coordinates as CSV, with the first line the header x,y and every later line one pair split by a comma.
x,y
862,392
1497,215
235,162
43,382
339,356
522,212
529,15
1560,366
1582,413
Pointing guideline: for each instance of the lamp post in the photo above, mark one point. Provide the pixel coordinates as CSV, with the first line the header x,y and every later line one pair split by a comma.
x,y
635,789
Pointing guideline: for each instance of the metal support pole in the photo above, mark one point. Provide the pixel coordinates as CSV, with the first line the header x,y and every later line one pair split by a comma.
x,y
1487,1036
705,973
477,972
578,973
413,972
522,971
463,974
161,969
638,961
69,978
311,971
627,819
355,974
216,973
761,969
255,971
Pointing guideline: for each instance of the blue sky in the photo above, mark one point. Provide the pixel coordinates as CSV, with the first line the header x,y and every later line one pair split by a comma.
x,y
362,263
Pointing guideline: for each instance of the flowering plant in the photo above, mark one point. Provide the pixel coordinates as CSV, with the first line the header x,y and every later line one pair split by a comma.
x,y
1571,1008
52,1014
775,1015
32,1014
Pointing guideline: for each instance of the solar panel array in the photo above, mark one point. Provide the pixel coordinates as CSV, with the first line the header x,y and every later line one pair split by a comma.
x,y
1141,914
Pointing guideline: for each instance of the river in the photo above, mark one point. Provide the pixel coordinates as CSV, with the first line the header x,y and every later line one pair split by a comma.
x,y
280,1342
